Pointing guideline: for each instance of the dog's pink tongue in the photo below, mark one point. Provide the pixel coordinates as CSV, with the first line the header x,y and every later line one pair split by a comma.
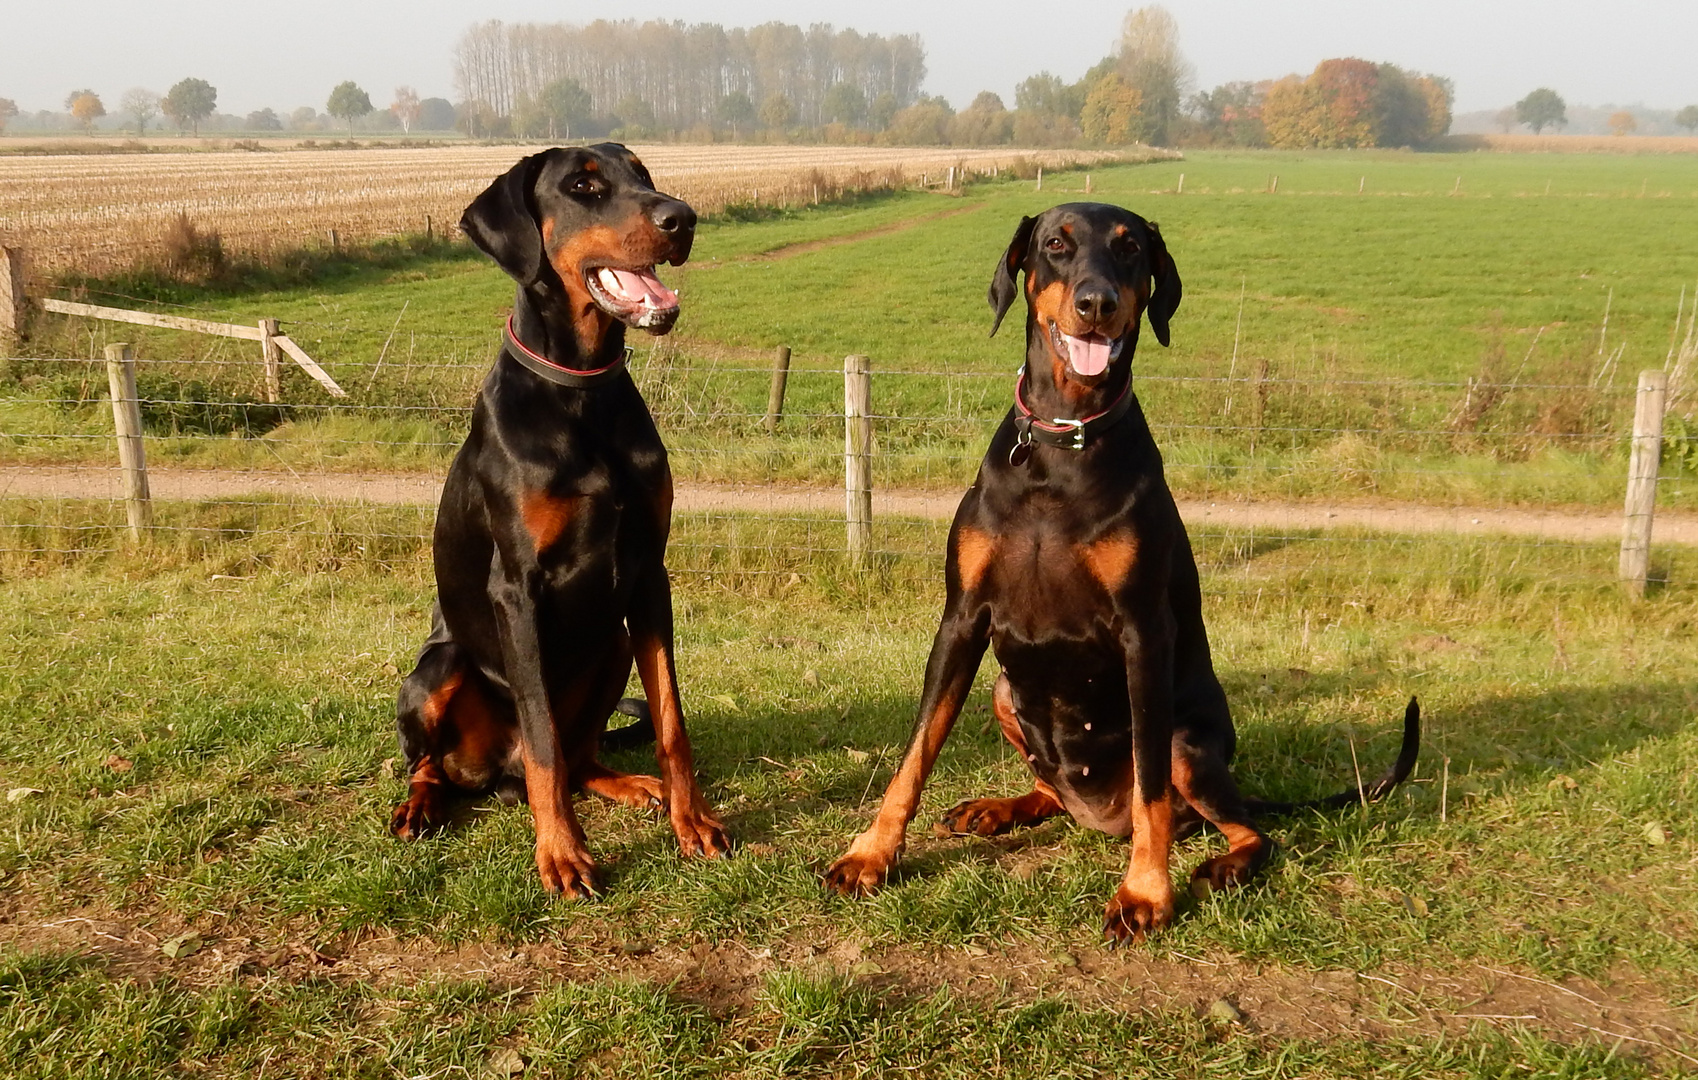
x,y
1088,355
642,286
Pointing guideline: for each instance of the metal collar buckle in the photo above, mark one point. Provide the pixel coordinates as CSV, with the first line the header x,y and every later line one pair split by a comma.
x,y
1078,427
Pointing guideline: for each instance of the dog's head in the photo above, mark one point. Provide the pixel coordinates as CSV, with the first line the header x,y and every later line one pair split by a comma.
x,y
1091,270
588,221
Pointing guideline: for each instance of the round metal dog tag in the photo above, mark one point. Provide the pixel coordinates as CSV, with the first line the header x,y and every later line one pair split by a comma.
x,y
1020,454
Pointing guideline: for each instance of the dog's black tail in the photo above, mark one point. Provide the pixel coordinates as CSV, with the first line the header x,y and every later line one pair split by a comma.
x,y
637,733
1399,772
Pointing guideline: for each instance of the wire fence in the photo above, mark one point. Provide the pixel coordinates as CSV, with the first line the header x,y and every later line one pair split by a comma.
x,y
1292,457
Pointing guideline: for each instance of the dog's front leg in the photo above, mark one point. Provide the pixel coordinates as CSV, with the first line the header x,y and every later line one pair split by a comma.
x,y
698,830
1144,902
563,860
956,651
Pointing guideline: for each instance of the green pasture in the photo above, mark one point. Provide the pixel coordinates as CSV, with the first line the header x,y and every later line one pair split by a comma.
x,y
197,730
207,727
1357,320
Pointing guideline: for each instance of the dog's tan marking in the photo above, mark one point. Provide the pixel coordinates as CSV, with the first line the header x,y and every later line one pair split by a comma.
x,y
547,516
1110,559
973,553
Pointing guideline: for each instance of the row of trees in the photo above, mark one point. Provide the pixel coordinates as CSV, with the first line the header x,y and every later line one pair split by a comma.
x,y
188,103
670,76
780,81
193,101
642,80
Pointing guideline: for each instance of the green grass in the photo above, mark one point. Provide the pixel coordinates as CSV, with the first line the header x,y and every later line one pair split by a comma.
x,y
819,1026
1363,318
210,720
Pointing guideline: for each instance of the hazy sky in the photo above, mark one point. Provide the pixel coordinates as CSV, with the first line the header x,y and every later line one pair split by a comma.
x,y
291,53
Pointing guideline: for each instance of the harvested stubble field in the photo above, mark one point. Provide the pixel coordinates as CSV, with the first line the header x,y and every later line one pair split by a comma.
x,y
100,213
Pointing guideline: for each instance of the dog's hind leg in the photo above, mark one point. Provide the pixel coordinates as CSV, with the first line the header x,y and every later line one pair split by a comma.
x,y
988,817
457,738
1203,779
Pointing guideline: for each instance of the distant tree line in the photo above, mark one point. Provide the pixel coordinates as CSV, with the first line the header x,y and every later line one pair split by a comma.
x,y
672,77
778,81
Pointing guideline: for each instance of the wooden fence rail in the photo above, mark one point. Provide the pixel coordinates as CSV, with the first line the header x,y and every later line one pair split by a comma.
x,y
264,332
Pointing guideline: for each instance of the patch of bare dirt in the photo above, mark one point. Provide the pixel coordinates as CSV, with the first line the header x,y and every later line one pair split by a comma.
x,y
728,976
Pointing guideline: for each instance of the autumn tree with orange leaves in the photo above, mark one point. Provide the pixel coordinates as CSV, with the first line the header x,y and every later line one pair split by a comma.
x,y
1354,103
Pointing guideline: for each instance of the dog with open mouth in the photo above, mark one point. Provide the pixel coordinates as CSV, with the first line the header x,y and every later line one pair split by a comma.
x,y
1068,558
551,534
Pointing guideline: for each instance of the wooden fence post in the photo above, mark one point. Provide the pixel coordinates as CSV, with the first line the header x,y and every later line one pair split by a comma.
x,y
11,295
126,420
273,357
858,457
775,395
1642,479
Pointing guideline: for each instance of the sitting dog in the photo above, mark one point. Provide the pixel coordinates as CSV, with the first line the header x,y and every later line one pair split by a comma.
x,y
551,534
1068,557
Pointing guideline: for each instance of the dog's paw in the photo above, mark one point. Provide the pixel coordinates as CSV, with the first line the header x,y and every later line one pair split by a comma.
x,y
629,789
1231,870
858,873
980,817
412,820
1132,918
700,833
567,872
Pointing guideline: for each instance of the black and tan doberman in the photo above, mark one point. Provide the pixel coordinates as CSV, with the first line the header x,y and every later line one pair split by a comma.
x,y
551,534
1068,557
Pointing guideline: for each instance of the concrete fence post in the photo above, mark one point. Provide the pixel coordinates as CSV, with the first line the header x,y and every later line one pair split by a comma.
x,y
775,394
858,457
1642,480
126,421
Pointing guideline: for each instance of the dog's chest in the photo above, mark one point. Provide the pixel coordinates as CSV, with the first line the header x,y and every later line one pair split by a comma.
x,y
1041,579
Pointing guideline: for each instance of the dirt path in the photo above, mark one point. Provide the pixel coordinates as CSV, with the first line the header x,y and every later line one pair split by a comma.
x,y
1626,1011
87,482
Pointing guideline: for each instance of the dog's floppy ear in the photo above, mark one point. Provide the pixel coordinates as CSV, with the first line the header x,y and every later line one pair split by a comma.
x,y
502,222
1003,287
1164,301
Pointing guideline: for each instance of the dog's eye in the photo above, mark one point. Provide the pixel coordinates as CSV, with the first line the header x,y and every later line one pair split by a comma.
x,y
1055,243
586,185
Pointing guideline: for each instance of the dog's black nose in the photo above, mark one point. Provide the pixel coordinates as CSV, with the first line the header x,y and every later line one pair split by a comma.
x,y
1095,304
673,217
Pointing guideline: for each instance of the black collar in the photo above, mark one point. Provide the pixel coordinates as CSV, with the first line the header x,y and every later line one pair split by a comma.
x,y
559,374
1066,433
